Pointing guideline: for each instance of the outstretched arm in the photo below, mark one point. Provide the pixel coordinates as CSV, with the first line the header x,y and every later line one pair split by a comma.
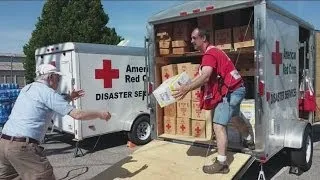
x,y
88,115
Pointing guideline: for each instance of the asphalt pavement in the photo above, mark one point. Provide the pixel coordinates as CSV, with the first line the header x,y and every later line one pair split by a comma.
x,y
101,153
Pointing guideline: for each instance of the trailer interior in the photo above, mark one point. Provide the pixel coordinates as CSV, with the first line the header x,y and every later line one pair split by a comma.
x,y
240,49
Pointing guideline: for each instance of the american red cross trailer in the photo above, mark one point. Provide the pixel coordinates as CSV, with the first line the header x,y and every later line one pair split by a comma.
x,y
112,78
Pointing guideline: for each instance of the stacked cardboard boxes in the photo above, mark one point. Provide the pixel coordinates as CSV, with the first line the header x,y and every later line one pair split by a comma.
x,y
184,117
184,105
198,116
206,23
181,37
223,38
242,37
164,37
170,111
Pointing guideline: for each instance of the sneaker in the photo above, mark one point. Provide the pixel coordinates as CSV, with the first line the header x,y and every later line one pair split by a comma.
x,y
216,168
249,144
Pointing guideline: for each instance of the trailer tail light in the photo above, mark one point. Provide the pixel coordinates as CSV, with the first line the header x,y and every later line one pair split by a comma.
x,y
209,8
263,159
183,13
261,88
196,11
150,88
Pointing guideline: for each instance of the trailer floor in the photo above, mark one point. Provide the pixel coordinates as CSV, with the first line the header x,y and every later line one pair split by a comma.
x,y
163,160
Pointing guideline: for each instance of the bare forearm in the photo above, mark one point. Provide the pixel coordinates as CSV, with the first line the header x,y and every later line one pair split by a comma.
x,y
197,82
85,115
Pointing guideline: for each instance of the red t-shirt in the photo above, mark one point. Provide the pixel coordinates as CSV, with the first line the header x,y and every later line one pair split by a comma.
x,y
223,67
225,78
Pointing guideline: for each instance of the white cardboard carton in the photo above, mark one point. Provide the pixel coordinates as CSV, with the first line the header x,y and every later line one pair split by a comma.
x,y
163,93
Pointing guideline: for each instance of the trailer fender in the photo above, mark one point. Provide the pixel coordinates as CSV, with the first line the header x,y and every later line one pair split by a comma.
x,y
294,134
128,123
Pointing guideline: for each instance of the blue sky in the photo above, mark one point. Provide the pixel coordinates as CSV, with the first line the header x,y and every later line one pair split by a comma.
x,y
18,18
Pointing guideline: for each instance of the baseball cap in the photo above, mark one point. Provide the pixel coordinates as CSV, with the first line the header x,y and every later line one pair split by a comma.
x,y
47,69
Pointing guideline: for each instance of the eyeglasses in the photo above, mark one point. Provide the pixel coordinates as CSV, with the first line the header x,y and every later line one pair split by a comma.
x,y
58,77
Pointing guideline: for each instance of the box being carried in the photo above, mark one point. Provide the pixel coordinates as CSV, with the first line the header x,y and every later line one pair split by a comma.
x,y
163,93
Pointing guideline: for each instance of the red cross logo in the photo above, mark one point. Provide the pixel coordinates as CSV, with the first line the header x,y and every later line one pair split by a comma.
x,y
198,130
167,76
277,58
107,73
198,94
196,74
168,126
182,127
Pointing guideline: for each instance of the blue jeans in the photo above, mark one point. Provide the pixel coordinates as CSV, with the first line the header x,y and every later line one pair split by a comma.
x,y
229,107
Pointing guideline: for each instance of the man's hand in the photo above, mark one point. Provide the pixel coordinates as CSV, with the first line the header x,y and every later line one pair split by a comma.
x,y
181,91
105,115
75,94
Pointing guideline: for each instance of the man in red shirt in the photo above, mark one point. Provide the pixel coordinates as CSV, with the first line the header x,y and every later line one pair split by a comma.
x,y
222,90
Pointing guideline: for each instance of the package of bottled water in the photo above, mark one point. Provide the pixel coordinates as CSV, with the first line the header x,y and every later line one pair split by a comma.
x,y
9,91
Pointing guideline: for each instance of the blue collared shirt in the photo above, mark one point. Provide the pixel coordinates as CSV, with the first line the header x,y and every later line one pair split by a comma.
x,y
33,109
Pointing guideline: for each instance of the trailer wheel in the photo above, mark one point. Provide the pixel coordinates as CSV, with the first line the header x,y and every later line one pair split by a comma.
x,y
140,133
302,157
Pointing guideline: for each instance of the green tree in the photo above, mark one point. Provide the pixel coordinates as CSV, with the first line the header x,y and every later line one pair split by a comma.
x,y
68,20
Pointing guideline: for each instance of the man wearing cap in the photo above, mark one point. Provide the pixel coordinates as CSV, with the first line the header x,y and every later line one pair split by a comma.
x,y
20,153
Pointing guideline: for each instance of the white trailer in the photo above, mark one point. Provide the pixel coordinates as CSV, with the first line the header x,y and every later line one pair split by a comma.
x,y
282,48
112,78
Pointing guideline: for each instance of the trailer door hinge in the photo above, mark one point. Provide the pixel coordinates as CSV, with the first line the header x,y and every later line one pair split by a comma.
x,y
258,24
73,81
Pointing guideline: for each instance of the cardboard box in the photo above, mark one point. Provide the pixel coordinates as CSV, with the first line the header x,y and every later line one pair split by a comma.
x,y
198,128
247,109
194,70
185,67
164,51
164,44
184,126
179,43
168,71
223,38
196,112
163,93
184,108
181,50
182,30
164,31
195,95
170,110
170,124
205,22
241,38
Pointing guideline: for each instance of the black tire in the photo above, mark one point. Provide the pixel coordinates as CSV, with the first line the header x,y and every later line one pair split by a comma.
x,y
298,156
140,122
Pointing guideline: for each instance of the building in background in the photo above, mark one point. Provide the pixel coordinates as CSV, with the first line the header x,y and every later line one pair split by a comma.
x,y
11,69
